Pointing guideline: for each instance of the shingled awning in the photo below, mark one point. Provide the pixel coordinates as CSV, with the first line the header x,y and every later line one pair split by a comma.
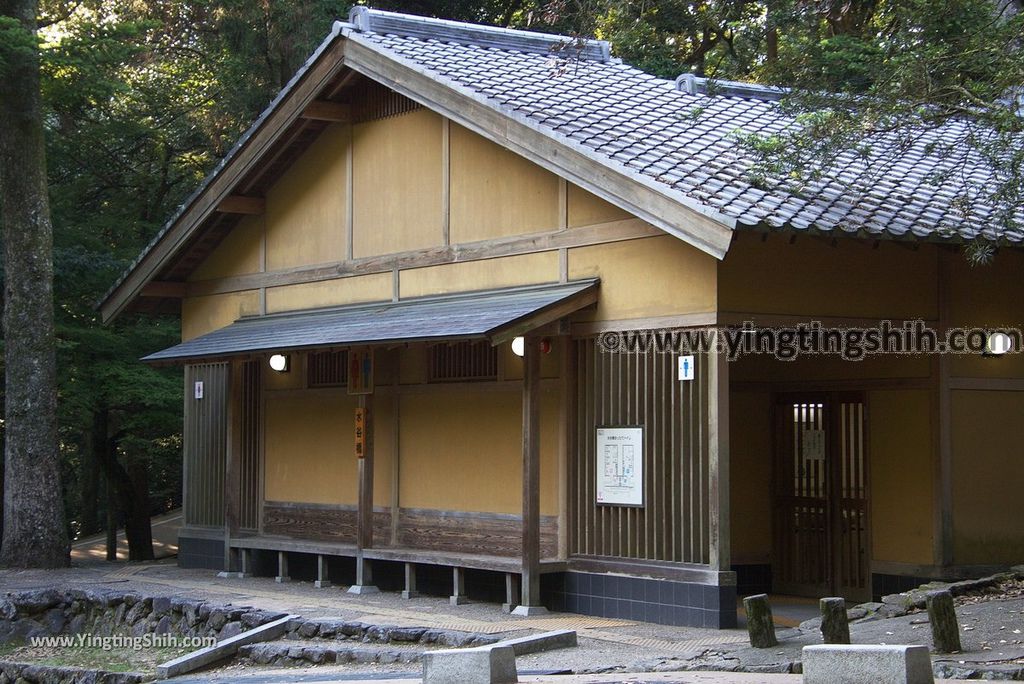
x,y
495,315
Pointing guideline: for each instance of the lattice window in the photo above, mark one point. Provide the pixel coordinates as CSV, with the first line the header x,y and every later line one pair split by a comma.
x,y
327,369
463,361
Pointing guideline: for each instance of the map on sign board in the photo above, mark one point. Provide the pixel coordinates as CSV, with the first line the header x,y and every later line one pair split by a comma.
x,y
813,443
620,466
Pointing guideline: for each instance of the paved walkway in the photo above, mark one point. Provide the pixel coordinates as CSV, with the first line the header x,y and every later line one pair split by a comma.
x,y
608,648
165,541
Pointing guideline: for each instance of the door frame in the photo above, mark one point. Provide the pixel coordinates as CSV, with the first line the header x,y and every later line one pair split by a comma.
x,y
830,400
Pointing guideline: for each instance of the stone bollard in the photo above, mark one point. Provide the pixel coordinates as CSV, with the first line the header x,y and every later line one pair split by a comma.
x,y
759,621
835,626
942,616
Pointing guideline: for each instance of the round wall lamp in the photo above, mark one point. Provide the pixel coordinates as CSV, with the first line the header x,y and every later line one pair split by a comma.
x,y
519,346
997,344
279,363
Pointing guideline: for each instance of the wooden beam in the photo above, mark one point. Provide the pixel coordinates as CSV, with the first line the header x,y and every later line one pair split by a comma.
x,y
544,316
164,289
615,231
693,320
987,384
325,110
530,594
242,204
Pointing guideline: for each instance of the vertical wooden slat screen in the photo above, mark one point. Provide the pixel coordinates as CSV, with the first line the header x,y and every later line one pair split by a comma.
x,y
249,496
375,101
640,388
463,361
852,575
205,444
327,369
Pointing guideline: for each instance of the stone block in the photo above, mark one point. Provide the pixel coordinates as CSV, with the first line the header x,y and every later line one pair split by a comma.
x,y
856,664
537,643
229,630
481,665
161,606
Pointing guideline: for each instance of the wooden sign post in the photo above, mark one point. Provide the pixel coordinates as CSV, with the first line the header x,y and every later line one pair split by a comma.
x,y
360,382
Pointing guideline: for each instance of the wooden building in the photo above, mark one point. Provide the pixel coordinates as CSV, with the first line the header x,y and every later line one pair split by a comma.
x,y
424,194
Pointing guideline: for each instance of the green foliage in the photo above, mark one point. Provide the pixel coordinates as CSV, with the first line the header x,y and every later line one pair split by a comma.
x,y
15,42
899,69
142,99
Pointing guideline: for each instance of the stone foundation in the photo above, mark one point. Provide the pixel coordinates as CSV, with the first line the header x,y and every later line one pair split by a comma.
x,y
49,612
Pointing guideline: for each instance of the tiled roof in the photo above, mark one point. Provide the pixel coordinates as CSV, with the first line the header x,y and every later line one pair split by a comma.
x,y
645,124
474,315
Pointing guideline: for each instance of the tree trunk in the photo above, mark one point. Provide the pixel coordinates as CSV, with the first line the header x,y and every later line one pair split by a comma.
x,y
130,490
137,527
772,45
34,529
111,521
88,516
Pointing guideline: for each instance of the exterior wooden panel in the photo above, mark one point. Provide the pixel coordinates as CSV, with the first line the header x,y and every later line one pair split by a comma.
x,y
427,530
200,315
629,389
471,533
319,522
205,435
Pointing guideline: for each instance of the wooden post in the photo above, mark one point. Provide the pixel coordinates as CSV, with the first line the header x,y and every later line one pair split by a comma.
x,y
322,579
942,616
410,582
944,479
282,568
364,512
530,603
233,471
835,625
245,563
718,456
511,592
759,621
458,596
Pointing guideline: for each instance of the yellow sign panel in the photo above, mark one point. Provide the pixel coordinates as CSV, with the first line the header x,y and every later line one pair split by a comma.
x,y
360,432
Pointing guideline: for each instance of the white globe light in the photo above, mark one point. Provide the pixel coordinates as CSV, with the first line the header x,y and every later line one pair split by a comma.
x,y
518,346
279,362
998,343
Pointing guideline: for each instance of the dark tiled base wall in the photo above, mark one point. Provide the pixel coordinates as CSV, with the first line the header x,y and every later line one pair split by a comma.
x,y
197,552
637,598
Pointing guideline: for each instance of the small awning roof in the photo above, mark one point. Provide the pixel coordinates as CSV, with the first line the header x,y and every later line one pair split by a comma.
x,y
495,315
